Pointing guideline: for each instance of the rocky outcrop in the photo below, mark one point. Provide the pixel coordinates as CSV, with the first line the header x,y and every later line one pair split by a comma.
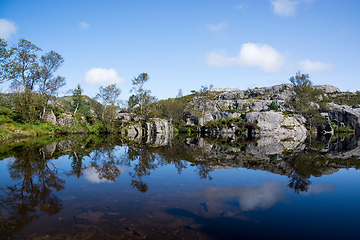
x,y
234,94
327,88
50,117
276,123
344,115
156,131
66,119
157,125
278,92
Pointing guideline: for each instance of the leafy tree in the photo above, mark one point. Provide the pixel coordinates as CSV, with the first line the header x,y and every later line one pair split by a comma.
x,y
106,112
23,67
4,56
133,101
180,93
172,109
305,97
49,63
26,71
148,106
77,101
139,90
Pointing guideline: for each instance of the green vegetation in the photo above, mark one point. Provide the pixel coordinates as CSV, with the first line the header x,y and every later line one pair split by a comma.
x,y
350,99
29,109
273,106
305,99
32,104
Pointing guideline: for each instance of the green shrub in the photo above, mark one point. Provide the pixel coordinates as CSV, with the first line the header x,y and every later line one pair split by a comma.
x,y
273,106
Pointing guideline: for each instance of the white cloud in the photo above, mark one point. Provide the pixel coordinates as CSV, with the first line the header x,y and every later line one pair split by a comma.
x,y
250,55
309,66
284,8
101,76
84,25
217,27
7,28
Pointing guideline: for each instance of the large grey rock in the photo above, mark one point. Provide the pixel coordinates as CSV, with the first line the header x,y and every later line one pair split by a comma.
x,y
345,115
50,117
276,123
327,88
260,105
234,94
223,115
157,125
223,90
231,95
66,119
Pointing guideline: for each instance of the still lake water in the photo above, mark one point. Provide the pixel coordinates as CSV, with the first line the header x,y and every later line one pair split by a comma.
x,y
89,187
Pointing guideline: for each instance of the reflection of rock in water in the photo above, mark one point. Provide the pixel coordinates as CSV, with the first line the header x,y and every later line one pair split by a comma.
x,y
343,147
274,154
159,139
274,144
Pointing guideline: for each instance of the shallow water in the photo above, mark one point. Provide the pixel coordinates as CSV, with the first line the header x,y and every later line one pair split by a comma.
x,y
91,188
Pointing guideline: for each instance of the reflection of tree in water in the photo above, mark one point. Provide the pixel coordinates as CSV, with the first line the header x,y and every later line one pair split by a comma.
x,y
298,183
148,158
146,161
204,171
23,202
77,162
105,161
305,164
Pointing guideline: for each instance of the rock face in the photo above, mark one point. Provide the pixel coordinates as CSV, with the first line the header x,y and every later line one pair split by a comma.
x,y
50,117
344,115
276,123
158,132
66,119
233,94
229,102
327,88
157,125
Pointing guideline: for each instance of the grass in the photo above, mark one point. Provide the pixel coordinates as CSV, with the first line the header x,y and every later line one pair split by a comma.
x,y
9,128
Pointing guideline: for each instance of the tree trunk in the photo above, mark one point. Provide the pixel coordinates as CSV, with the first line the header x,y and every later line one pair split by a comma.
x,y
77,106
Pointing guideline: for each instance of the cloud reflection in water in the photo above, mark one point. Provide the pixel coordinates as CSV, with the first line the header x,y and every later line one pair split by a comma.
x,y
92,175
263,197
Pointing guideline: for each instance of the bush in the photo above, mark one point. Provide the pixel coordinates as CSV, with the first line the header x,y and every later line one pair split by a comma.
x,y
273,106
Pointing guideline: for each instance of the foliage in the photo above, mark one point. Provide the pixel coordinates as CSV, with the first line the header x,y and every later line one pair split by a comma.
x,y
305,98
273,106
350,99
32,78
141,94
77,100
107,111
172,109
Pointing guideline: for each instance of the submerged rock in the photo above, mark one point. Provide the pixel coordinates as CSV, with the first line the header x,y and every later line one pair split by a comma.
x,y
90,216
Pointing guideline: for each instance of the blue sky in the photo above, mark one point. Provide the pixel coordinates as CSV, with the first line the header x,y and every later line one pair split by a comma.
x,y
184,44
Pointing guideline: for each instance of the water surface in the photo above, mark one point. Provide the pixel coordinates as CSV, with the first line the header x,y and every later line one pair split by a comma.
x,y
92,187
